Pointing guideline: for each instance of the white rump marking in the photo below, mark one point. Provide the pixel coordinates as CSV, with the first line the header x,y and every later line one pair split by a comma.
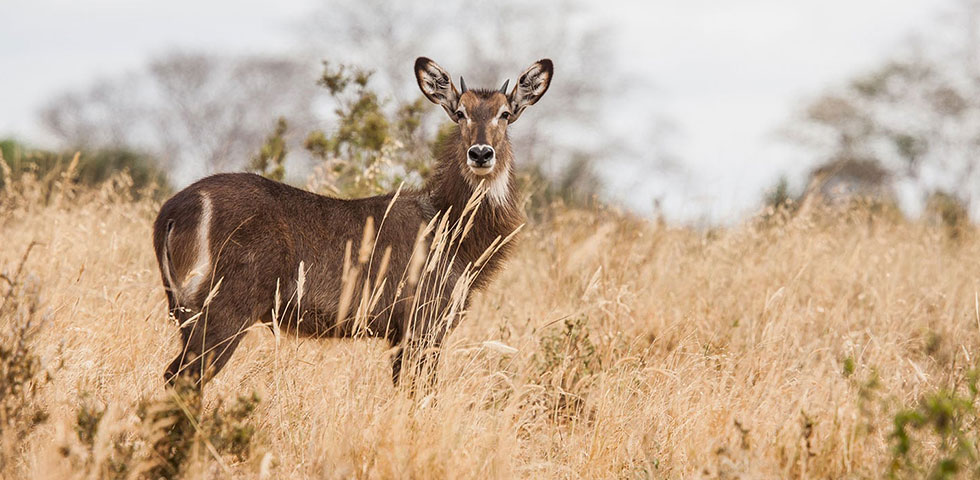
x,y
202,266
166,267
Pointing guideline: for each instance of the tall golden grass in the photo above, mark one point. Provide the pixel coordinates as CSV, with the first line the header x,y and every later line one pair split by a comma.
x,y
609,347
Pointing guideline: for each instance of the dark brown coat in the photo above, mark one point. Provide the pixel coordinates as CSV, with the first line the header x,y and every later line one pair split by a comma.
x,y
229,243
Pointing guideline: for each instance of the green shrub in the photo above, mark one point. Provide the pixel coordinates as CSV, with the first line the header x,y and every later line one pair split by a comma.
x,y
369,151
93,167
937,437
272,155
945,419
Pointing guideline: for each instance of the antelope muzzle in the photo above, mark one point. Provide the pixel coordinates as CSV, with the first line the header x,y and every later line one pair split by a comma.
x,y
481,158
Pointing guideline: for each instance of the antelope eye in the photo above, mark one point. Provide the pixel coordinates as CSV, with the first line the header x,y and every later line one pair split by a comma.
x,y
460,115
505,115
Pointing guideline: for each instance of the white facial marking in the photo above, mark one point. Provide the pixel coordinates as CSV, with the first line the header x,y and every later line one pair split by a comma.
x,y
202,266
466,115
503,108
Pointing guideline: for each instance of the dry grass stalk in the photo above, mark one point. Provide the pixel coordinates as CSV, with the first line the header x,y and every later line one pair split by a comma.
x,y
674,353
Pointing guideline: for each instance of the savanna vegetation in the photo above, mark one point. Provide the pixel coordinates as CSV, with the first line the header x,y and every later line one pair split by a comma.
x,y
825,343
814,340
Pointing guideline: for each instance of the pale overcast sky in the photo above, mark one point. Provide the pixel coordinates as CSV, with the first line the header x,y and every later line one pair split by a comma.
x,y
727,73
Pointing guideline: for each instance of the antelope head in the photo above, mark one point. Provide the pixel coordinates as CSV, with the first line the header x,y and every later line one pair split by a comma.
x,y
483,115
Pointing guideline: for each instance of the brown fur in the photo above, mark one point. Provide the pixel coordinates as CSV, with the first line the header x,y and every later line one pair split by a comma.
x,y
260,230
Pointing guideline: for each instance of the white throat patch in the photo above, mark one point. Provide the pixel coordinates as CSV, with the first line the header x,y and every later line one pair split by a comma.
x,y
499,187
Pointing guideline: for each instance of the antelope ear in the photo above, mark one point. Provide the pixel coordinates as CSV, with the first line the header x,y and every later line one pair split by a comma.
x,y
530,87
436,85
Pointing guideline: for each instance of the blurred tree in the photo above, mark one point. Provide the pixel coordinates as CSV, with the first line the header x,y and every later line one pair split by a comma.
x,y
368,151
914,120
269,162
949,212
489,42
779,195
844,178
576,185
201,112
93,168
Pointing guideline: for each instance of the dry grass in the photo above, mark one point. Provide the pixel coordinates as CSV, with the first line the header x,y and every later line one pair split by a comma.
x,y
642,352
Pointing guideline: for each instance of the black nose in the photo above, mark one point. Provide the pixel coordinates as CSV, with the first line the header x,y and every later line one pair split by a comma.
x,y
480,154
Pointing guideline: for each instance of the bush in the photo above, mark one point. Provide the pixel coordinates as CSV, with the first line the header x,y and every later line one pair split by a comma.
x,y
946,419
951,212
272,155
93,167
370,151
936,437
21,371
567,363
373,148
173,438
576,186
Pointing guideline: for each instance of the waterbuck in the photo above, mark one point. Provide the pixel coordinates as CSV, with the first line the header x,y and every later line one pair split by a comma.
x,y
234,249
